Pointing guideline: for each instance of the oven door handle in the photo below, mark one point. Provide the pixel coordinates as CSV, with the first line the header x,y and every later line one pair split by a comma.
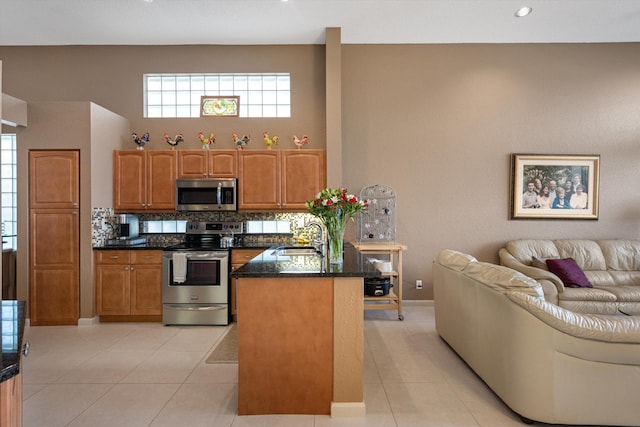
x,y
208,308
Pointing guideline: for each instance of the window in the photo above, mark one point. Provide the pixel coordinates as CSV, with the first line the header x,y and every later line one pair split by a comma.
x,y
8,186
178,95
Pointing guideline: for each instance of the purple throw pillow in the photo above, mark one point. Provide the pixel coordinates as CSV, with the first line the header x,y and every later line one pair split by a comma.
x,y
569,272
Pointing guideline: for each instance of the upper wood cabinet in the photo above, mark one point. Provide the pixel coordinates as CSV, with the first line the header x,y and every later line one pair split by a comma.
x,y
207,164
144,181
279,179
54,179
259,179
304,174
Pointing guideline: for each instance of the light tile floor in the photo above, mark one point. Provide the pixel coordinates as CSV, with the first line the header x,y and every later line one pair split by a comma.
x,y
141,374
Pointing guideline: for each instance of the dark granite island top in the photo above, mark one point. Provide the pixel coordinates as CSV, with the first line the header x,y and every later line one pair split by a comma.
x,y
267,264
12,335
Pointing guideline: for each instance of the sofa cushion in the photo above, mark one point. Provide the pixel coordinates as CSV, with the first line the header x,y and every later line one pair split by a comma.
x,y
569,272
540,262
586,253
524,250
503,278
587,294
621,255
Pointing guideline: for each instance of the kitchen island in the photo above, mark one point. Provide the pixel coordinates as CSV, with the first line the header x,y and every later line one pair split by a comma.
x,y
300,334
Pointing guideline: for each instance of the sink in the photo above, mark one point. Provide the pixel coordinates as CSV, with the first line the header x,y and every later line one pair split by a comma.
x,y
296,251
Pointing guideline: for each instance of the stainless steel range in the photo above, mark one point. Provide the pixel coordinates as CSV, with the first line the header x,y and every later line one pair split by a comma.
x,y
195,275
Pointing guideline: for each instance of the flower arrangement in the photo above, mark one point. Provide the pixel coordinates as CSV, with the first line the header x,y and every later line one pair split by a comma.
x,y
335,207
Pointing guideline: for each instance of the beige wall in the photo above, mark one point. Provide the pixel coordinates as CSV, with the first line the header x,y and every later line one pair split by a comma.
x,y
112,76
435,122
438,124
95,132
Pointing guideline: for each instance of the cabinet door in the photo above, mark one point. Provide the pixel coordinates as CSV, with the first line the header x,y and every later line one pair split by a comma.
x,y
129,181
303,176
11,402
54,267
146,287
223,164
54,179
161,180
192,163
240,257
259,179
112,289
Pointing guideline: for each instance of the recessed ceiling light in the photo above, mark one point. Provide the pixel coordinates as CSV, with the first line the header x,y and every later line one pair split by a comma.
x,y
523,11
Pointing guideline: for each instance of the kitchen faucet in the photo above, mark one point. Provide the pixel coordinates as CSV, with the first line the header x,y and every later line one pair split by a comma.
x,y
320,240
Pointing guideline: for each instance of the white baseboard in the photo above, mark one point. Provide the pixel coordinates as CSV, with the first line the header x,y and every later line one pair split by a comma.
x,y
88,321
348,410
427,302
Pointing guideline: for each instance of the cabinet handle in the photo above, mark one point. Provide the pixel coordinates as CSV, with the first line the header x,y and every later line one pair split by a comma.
x,y
114,256
25,348
131,268
126,269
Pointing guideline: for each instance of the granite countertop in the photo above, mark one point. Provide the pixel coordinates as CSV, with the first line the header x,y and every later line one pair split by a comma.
x,y
160,246
268,264
12,326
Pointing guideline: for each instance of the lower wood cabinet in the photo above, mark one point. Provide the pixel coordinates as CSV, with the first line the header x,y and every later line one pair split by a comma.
x,y
240,257
128,283
11,402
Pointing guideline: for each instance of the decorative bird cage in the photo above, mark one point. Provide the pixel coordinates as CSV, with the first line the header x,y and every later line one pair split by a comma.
x,y
378,223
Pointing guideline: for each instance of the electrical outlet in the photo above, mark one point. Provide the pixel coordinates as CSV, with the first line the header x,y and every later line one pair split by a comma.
x,y
418,284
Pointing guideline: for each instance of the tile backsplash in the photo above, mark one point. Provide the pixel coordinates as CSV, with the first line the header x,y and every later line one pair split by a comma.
x,y
267,226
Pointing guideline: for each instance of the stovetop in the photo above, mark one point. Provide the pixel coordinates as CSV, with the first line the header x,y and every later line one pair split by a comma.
x,y
207,236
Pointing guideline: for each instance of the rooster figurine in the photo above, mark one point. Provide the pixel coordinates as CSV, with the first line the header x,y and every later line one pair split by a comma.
x,y
140,140
206,143
173,142
270,141
300,142
240,142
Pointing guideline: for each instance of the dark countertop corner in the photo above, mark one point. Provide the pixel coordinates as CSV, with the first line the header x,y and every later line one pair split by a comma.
x,y
269,265
12,325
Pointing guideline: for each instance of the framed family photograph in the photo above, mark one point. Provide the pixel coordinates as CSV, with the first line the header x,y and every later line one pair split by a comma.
x,y
545,186
219,106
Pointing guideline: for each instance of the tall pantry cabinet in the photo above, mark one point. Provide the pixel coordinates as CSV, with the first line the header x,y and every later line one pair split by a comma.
x,y
54,189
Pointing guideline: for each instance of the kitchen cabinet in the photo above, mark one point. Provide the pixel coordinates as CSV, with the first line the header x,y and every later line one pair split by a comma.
x,y
144,181
128,283
279,179
53,179
240,257
54,256
207,164
393,300
11,402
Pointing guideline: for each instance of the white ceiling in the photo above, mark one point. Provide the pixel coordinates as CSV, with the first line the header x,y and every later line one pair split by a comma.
x,y
119,22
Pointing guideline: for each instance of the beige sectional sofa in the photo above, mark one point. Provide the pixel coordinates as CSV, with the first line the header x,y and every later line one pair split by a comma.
x,y
611,266
545,362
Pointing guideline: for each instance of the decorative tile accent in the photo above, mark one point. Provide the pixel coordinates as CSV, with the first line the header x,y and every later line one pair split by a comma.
x,y
103,228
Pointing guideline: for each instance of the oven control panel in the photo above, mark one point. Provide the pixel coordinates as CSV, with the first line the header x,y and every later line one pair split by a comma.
x,y
195,227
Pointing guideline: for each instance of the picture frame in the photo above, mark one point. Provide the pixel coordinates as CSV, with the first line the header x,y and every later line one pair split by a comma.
x,y
219,106
542,170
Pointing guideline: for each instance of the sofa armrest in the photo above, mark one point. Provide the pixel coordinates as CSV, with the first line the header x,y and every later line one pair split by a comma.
x,y
538,274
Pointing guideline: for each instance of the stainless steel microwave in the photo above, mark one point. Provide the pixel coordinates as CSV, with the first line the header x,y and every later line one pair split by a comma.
x,y
207,194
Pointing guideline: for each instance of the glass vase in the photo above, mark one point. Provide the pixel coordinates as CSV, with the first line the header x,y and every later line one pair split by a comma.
x,y
336,245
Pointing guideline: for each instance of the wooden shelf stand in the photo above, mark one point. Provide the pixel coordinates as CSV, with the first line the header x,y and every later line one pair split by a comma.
x,y
392,301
